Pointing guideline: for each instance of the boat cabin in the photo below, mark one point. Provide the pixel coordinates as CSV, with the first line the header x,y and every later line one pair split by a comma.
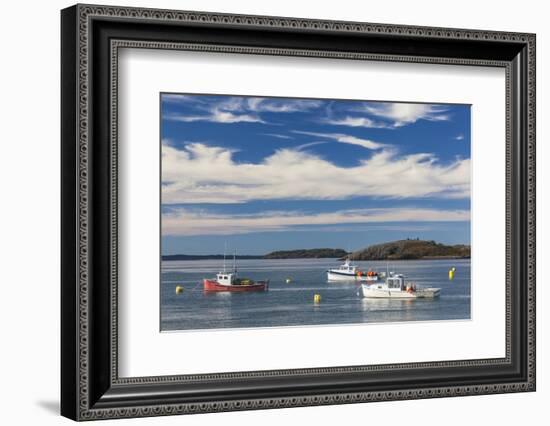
x,y
347,267
224,278
395,282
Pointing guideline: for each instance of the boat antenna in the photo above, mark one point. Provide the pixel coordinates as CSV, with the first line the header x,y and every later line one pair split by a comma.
x,y
224,250
234,262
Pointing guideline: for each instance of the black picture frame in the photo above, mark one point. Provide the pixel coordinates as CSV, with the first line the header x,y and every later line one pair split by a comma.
x,y
90,386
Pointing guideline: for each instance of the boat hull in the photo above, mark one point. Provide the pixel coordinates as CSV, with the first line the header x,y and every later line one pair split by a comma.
x,y
338,276
370,292
214,286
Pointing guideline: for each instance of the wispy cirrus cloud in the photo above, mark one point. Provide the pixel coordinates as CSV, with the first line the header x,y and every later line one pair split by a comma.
x,y
278,136
343,138
387,115
310,144
351,121
216,116
240,109
402,114
199,173
184,221
280,105
234,109
175,98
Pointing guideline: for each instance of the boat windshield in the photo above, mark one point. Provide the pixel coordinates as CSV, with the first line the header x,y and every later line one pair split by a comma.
x,y
394,282
224,278
347,267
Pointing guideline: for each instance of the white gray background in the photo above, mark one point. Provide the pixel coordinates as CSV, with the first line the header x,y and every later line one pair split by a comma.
x,y
29,214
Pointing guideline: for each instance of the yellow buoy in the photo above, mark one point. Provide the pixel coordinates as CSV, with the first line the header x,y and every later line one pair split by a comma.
x,y
452,274
288,280
179,289
317,298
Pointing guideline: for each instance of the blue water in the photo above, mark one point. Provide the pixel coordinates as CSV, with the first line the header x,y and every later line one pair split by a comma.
x,y
292,304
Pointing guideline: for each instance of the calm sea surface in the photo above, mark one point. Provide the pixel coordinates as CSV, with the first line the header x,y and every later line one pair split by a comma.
x,y
292,304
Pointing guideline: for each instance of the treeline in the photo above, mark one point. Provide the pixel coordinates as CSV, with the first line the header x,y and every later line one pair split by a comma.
x,y
282,254
394,250
411,249
307,253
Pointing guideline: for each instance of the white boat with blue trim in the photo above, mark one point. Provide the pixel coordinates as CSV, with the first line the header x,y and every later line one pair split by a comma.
x,y
395,287
350,272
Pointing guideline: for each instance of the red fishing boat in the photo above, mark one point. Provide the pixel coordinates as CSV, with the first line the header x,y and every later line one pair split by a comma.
x,y
228,281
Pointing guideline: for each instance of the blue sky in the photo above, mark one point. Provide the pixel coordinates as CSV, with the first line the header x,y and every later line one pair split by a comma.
x,y
263,174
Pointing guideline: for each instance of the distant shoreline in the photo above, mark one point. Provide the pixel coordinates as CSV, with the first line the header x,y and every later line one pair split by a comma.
x,y
392,251
207,257
318,253
170,258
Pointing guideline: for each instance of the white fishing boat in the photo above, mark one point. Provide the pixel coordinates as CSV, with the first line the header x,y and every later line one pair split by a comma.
x,y
395,287
350,272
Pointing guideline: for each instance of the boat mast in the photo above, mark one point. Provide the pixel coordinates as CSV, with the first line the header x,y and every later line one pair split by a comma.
x,y
234,262
224,250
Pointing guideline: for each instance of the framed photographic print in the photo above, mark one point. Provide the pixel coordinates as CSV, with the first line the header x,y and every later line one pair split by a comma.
x,y
263,212
336,174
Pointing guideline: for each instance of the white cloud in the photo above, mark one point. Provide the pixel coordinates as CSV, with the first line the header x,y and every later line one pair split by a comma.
x,y
459,137
342,138
169,97
357,122
178,98
207,174
389,115
196,222
309,144
280,105
236,109
407,113
278,136
216,116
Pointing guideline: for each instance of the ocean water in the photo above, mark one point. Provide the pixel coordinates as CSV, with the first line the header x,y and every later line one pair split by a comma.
x,y
292,304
